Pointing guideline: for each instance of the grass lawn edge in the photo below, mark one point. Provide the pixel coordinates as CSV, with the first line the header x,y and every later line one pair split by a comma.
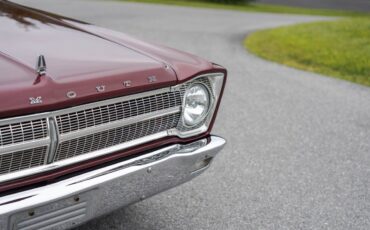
x,y
347,58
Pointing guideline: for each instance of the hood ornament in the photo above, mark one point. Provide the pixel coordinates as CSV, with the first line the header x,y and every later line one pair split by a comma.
x,y
41,66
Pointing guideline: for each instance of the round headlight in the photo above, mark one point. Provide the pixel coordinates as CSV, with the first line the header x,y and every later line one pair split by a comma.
x,y
196,106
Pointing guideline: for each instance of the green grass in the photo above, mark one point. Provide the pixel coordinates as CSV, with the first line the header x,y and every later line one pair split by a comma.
x,y
256,7
335,48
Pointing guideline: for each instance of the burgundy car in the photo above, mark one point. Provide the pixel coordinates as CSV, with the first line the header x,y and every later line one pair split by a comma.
x,y
92,120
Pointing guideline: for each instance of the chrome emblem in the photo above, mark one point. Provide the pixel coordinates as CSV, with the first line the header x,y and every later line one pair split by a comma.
x,y
127,83
100,88
35,100
41,66
71,94
152,79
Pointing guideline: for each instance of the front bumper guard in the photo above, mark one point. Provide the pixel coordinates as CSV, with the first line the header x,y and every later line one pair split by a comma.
x,y
76,200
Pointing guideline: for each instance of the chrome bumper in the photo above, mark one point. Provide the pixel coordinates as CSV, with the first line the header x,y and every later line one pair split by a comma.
x,y
78,199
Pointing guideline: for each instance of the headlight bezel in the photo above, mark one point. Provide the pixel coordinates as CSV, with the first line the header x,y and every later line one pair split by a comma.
x,y
214,83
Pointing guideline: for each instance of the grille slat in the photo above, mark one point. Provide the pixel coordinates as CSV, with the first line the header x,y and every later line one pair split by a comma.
x,y
105,139
105,114
97,141
15,161
18,133
108,113
23,131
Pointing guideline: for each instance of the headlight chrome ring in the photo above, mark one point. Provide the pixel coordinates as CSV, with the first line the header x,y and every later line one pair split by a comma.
x,y
197,102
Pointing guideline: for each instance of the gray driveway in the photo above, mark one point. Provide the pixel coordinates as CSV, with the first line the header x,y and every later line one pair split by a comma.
x,y
298,153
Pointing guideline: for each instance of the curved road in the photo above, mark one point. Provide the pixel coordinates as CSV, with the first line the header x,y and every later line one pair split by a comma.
x,y
298,153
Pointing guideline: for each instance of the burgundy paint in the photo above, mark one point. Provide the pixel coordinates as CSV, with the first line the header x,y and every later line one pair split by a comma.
x,y
70,68
76,61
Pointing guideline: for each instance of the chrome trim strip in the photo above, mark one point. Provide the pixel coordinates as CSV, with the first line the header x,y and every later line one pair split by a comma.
x,y
32,117
24,145
49,135
119,123
54,140
189,133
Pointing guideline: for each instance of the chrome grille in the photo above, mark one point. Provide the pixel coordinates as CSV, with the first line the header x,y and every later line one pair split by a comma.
x,y
23,131
15,161
87,131
109,113
108,138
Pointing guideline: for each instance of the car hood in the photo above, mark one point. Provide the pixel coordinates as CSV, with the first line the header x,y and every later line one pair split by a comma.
x,y
76,60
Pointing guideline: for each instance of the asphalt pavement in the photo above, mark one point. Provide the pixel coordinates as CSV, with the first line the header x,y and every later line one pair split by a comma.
x,y
298,152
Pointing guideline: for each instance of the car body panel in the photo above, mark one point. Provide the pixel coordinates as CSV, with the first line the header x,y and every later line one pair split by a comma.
x,y
185,64
76,63
79,57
